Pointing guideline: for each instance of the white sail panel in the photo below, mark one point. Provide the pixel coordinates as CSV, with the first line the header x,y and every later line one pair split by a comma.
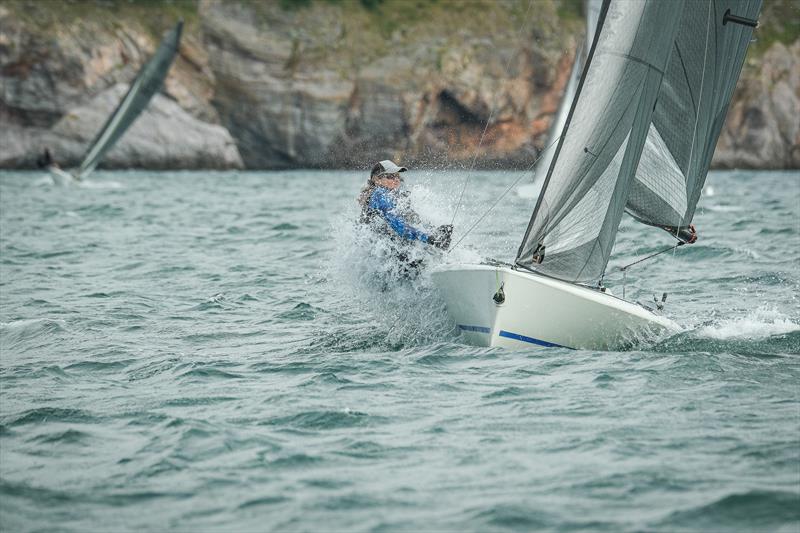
x,y
592,8
587,184
706,60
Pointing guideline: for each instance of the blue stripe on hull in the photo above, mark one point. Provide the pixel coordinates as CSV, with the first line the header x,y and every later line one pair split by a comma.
x,y
478,329
523,338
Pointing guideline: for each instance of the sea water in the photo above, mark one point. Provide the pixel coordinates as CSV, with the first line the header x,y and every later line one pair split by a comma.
x,y
201,351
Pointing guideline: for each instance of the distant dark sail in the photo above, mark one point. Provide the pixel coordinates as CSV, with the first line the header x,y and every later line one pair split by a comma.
x,y
575,222
146,84
706,60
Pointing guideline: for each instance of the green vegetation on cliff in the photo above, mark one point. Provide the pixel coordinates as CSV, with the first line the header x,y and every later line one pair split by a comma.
x,y
153,16
779,22
378,24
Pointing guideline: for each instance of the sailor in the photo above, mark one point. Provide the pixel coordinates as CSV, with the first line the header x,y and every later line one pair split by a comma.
x,y
45,159
384,207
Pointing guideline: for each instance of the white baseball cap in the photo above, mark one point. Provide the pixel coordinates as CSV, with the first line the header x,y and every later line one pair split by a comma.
x,y
386,167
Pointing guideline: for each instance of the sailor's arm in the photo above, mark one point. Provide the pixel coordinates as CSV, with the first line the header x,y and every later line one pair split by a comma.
x,y
386,206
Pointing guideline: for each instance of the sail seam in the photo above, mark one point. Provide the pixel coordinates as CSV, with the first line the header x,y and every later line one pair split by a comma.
x,y
634,58
686,77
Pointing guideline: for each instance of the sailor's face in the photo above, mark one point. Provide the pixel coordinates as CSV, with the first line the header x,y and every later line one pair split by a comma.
x,y
391,181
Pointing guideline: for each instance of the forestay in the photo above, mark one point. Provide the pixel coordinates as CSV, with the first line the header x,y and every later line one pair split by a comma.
x,y
147,82
706,60
574,224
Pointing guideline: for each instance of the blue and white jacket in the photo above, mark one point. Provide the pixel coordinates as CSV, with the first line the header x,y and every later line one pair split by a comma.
x,y
383,205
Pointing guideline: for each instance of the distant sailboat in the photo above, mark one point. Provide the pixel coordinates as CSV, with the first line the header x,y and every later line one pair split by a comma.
x,y
531,190
639,137
146,84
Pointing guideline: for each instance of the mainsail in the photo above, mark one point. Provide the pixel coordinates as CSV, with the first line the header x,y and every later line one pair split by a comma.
x,y
148,81
592,8
574,224
698,84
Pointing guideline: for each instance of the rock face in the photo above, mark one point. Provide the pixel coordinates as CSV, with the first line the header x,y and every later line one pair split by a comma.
x,y
296,91
327,84
763,125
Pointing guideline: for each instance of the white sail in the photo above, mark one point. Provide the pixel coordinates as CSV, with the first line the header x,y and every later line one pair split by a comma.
x,y
706,60
148,82
592,8
575,222
613,144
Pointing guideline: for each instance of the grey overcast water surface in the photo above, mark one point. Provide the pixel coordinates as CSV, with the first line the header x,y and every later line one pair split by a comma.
x,y
217,351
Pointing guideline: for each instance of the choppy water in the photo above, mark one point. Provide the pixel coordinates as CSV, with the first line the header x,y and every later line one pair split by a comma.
x,y
201,351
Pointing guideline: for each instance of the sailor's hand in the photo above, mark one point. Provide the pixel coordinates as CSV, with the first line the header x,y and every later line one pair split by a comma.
x,y
693,234
441,237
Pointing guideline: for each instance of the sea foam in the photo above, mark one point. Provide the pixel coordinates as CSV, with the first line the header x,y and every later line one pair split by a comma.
x,y
759,323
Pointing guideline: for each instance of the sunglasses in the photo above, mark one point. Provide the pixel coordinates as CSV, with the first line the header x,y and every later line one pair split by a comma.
x,y
391,177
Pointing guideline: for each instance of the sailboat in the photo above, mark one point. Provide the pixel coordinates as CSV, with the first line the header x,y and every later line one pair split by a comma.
x,y
146,84
638,138
531,190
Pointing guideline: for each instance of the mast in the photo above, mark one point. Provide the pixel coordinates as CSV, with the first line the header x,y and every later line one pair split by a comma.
x,y
147,82
574,224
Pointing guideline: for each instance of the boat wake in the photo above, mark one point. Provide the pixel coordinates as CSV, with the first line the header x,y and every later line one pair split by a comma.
x,y
760,323
51,180
762,332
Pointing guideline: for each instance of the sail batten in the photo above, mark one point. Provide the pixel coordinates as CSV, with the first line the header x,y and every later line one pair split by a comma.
x,y
148,81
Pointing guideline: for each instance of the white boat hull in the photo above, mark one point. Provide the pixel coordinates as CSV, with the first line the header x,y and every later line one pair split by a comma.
x,y
61,177
541,311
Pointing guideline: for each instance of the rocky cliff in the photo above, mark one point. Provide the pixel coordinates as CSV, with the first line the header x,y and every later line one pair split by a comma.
x,y
59,82
303,83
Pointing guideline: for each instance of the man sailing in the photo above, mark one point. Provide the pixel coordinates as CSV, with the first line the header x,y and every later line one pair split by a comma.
x,y
384,210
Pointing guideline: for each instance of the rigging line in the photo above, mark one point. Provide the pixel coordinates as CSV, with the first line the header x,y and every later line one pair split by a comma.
x,y
491,115
673,247
522,175
624,269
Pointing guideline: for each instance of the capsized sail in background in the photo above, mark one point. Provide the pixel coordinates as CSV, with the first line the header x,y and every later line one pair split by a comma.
x,y
575,222
707,58
592,9
146,84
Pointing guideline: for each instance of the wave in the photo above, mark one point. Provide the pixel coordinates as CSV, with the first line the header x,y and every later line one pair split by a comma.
x,y
762,332
105,184
18,332
69,436
322,420
755,510
301,311
52,414
514,517
757,324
